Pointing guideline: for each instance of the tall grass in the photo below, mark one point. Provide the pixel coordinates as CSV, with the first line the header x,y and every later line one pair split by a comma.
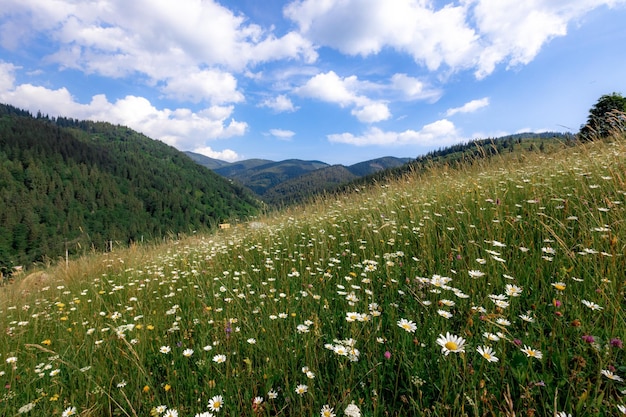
x,y
337,307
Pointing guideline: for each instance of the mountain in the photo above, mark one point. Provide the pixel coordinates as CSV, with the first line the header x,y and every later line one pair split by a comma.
x,y
203,160
304,186
73,185
260,175
362,169
293,179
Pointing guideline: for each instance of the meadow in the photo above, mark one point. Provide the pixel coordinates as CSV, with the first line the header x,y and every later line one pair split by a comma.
x,y
496,288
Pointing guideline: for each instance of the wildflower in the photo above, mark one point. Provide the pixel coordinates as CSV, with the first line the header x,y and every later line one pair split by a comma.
x,y
512,290
187,352
487,353
171,413
26,408
622,409
387,354
591,305
219,358
451,343
216,403
503,322
11,359
352,410
444,314
301,389
47,342
165,349
327,411
475,273
257,401
530,352
160,409
271,394
205,414
55,372
491,336
611,375
616,342
563,414
407,325
69,411
560,286
588,338
527,318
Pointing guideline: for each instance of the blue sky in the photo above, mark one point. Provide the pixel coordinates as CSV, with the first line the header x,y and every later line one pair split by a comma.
x,y
341,81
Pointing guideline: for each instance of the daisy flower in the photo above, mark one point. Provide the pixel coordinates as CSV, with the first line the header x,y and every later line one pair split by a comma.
x,y
216,403
327,411
407,325
487,353
165,349
560,286
171,413
301,389
591,305
451,343
272,395
512,290
611,375
219,358
444,314
205,414
187,352
473,273
530,352
69,411
491,336
527,317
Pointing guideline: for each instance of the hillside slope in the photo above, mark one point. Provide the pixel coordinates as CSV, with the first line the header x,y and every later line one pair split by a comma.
x,y
69,184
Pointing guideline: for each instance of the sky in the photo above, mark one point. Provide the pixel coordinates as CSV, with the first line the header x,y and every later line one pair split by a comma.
x,y
339,81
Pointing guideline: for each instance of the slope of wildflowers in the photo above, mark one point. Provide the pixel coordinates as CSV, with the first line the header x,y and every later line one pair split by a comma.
x,y
488,290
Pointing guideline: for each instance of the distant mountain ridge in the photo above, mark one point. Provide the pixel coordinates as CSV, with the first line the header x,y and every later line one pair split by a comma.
x,y
293,178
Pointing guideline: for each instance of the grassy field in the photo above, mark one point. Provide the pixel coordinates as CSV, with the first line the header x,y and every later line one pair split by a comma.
x,y
494,289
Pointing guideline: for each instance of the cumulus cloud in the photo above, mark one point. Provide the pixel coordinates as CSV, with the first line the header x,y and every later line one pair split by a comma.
x,y
181,127
472,34
439,133
279,104
282,134
329,87
169,44
227,155
469,107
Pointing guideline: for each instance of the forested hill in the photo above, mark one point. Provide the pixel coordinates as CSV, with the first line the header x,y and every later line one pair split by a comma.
x,y
75,184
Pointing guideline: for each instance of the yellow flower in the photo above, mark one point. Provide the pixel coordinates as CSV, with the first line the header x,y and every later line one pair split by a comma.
x,y
55,397
150,327
47,342
167,387
146,389
560,286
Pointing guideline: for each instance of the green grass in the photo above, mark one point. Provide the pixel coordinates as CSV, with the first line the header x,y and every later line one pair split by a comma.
x,y
313,296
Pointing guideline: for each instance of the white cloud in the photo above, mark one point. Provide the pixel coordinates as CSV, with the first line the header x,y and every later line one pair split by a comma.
x,y
212,85
170,44
372,113
282,134
411,88
226,155
470,34
331,88
279,104
439,133
469,107
7,76
181,127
